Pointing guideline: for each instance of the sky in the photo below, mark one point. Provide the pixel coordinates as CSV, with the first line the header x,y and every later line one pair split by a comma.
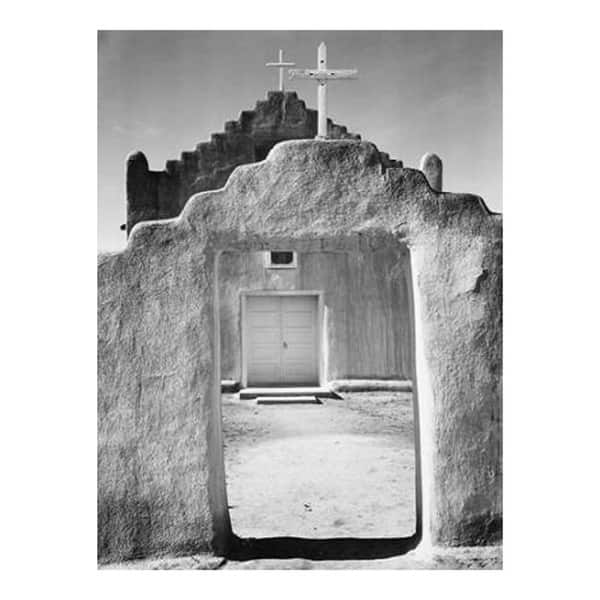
x,y
162,92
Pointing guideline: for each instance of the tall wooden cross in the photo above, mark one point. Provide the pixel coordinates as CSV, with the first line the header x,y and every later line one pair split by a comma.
x,y
322,75
281,65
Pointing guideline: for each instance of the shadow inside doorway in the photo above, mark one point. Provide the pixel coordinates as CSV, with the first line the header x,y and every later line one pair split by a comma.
x,y
349,548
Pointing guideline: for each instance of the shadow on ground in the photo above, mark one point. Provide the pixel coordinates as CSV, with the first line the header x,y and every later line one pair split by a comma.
x,y
349,548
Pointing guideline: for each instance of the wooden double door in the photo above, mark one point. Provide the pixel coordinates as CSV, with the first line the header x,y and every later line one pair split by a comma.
x,y
281,340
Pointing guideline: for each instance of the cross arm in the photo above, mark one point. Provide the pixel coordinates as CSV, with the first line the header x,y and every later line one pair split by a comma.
x,y
323,74
280,64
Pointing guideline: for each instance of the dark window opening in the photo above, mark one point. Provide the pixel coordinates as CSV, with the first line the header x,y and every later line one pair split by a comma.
x,y
282,258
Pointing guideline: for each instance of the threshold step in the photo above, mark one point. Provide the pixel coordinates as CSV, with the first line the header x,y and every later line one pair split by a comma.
x,y
288,400
286,392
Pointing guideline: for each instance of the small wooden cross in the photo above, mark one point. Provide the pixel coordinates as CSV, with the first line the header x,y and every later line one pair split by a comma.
x,y
322,75
281,65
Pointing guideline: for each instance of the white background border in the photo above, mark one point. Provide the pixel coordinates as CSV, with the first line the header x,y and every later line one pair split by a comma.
x,y
49,318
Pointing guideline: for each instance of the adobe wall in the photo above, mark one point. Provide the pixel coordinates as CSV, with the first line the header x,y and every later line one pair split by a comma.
x,y
367,331
161,484
162,194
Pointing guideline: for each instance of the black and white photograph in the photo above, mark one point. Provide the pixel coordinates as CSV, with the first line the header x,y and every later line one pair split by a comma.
x,y
300,300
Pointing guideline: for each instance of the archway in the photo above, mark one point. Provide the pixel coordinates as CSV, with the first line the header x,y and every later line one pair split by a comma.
x,y
161,485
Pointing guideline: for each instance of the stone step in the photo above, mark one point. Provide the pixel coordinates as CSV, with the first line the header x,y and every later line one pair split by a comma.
x,y
286,392
288,400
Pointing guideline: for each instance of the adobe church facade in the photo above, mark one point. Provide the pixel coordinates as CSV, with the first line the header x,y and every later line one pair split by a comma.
x,y
328,250
288,318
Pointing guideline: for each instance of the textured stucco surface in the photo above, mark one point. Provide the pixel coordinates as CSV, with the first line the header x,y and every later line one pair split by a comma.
x,y
162,194
431,165
160,487
459,280
367,321
161,480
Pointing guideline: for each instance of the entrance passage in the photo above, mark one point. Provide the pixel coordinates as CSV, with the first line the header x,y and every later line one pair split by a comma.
x,y
281,340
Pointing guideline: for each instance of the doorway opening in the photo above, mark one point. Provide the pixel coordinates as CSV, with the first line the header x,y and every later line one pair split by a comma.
x,y
333,479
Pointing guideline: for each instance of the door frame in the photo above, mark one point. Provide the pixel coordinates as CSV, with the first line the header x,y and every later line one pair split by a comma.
x,y
244,334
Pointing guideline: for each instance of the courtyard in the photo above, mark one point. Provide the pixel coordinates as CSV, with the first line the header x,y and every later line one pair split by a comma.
x,y
341,469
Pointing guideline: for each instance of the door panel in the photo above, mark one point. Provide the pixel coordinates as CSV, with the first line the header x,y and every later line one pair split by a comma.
x,y
299,332
263,327
281,334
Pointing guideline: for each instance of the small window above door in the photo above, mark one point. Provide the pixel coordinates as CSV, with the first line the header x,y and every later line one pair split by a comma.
x,y
281,259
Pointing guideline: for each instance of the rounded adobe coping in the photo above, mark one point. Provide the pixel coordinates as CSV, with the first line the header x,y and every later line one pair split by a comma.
x,y
314,188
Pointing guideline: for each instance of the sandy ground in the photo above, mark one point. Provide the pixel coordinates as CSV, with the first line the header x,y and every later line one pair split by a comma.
x,y
342,469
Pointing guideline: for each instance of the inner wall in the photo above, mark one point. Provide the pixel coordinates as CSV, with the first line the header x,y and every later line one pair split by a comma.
x,y
366,328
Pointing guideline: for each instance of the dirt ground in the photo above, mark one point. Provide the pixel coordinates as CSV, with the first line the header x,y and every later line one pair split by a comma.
x,y
483,557
342,469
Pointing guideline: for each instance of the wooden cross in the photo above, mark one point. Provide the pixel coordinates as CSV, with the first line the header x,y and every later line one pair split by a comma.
x,y
281,65
321,75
